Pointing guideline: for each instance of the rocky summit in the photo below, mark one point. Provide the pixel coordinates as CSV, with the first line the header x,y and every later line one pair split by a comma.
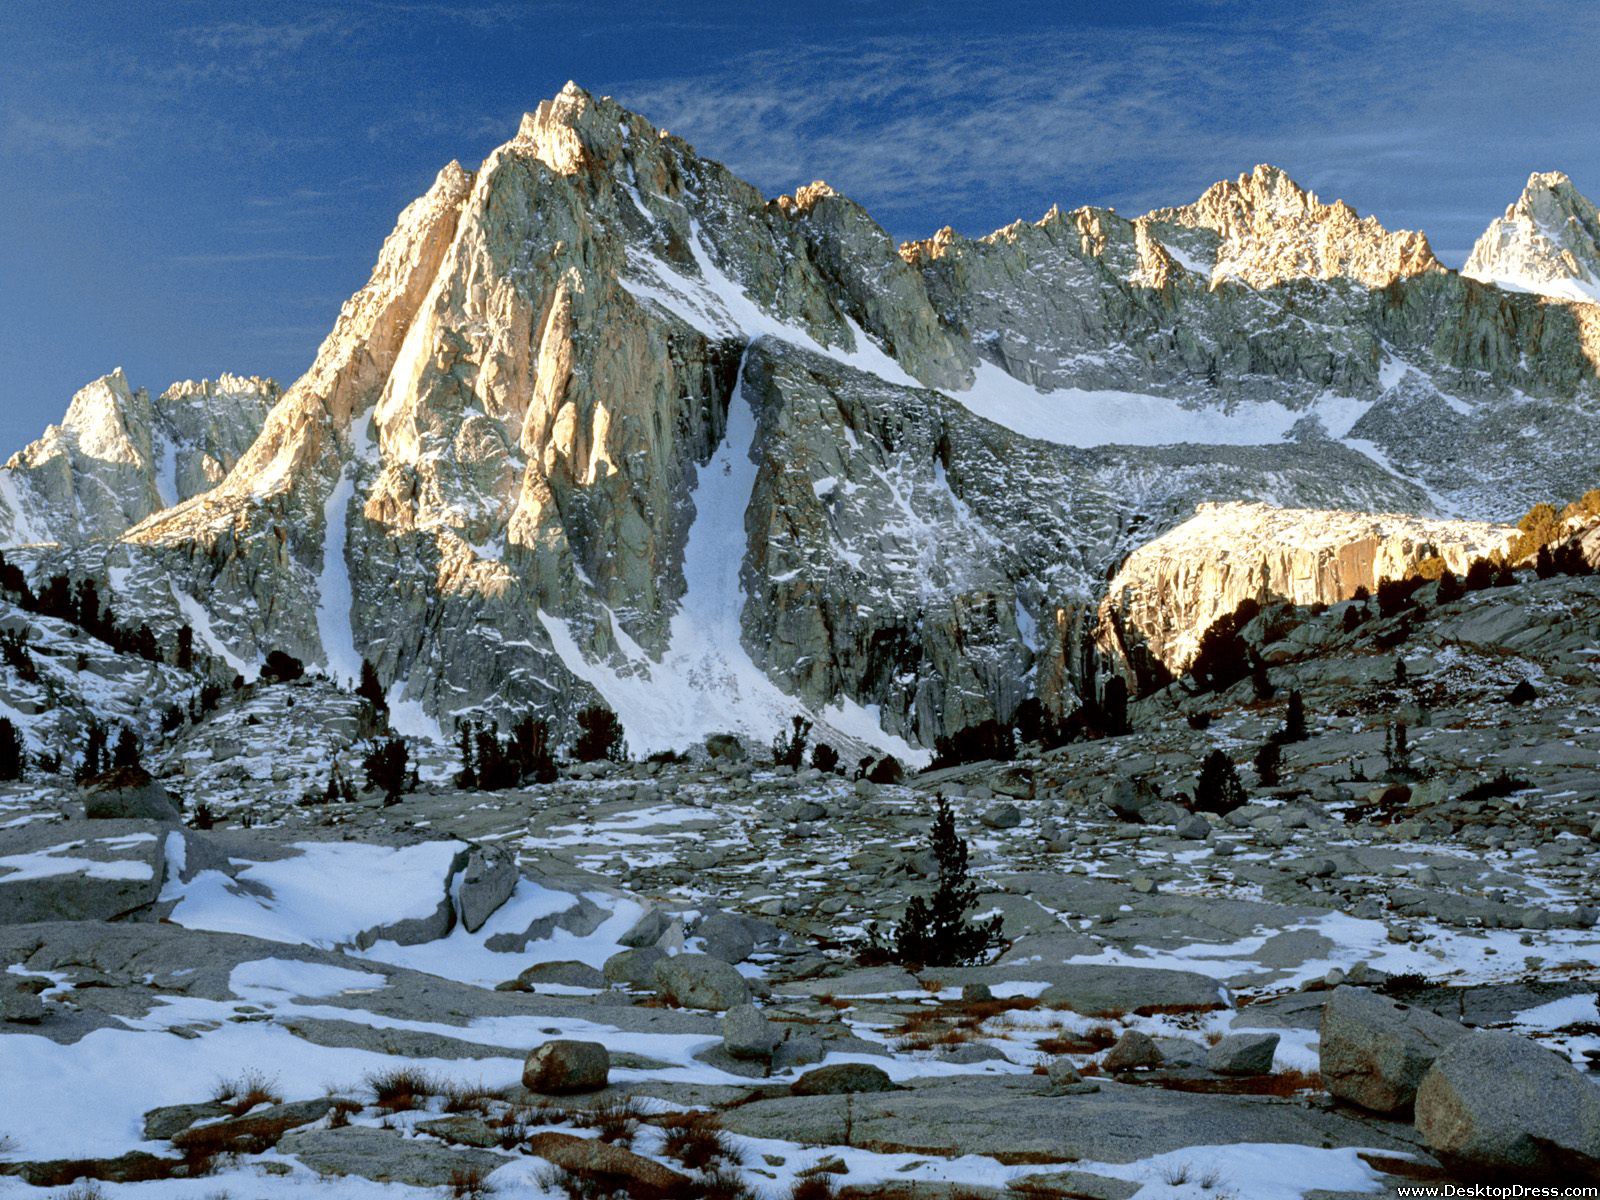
x,y
688,698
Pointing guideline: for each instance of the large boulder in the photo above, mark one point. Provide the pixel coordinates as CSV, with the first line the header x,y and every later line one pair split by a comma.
x,y
1243,1054
727,936
487,882
747,1034
1494,1105
843,1079
129,794
636,968
604,1162
562,1067
700,981
1128,798
1376,1051
1100,990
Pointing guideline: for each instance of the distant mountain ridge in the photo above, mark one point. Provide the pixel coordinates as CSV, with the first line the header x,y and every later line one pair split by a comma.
x,y
607,424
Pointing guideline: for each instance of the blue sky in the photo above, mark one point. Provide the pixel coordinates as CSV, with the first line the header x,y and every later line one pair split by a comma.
x,y
191,188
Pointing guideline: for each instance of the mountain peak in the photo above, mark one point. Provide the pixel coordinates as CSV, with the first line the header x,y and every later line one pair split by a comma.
x,y
1547,242
1274,230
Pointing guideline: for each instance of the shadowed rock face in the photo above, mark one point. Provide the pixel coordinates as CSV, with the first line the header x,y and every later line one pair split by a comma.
x,y
507,478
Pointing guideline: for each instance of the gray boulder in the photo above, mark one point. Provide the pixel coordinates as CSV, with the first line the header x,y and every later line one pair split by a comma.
x,y
1243,1054
635,968
382,1155
1497,1105
487,882
726,936
1193,827
561,974
1133,1049
647,930
700,981
1004,816
1101,991
1066,1080
129,794
1374,1052
842,1079
725,746
20,1005
1128,798
561,1067
96,873
747,1034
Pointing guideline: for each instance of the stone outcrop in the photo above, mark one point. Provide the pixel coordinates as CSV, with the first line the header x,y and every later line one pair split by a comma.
x,y
1170,590
1375,1052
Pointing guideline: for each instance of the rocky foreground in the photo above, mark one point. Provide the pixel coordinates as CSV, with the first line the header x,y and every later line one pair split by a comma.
x,y
647,979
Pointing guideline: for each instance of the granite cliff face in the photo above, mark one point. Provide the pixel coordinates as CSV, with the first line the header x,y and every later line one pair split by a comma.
x,y
1170,590
605,423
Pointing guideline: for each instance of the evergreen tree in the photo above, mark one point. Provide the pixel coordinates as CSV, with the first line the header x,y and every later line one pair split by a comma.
x,y
1450,588
281,668
1268,760
1223,657
370,690
825,758
184,659
1294,721
12,753
1544,563
788,750
94,752
1218,790
530,749
127,751
600,736
467,777
935,932
387,766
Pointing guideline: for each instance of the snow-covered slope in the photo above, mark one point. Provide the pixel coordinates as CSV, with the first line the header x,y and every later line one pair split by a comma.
x,y
1548,242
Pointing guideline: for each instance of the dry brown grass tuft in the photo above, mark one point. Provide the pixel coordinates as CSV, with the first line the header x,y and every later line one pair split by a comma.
x,y
251,1088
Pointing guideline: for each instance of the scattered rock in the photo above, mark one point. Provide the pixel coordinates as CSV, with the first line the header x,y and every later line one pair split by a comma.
x,y
1133,1049
746,1033
561,1067
700,981
1243,1054
843,1079
1497,1105
486,882
1374,1051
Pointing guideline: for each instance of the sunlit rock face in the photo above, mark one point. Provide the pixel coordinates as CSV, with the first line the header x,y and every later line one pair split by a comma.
x,y
1548,242
608,424
1170,591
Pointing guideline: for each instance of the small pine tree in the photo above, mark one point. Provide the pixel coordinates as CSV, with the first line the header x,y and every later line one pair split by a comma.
x,y
1397,748
1480,575
599,736
789,750
281,668
126,755
1267,763
94,752
1544,563
825,758
370,690
1401,674
530,748
388,768
1260,683
1450,588
184,658
935,932
1218,790
1223,657
467,777
1294,721
12,753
